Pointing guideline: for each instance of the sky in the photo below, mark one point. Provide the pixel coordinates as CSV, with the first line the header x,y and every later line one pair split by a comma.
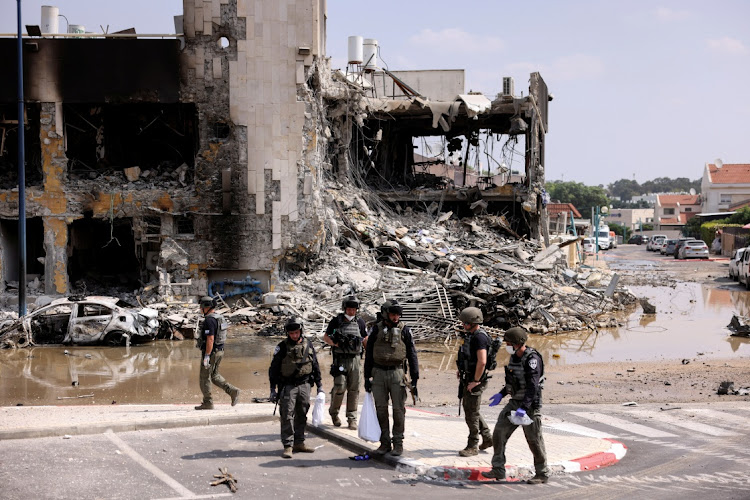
x,y
642,89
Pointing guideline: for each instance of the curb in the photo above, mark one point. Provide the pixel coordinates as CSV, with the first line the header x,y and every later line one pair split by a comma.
x,y
102,427
614,454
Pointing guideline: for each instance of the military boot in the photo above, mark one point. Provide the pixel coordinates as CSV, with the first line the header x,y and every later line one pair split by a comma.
x,y
302,448
336,420
205,406
398,450
469,451
486,443
494,473
537,479
287,452
384,448
235,397
353,425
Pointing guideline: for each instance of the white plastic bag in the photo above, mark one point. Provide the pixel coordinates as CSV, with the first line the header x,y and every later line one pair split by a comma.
x,y
320,402
525,420
369,428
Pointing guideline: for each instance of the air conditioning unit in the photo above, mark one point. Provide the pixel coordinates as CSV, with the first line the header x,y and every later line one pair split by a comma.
x,y
508,86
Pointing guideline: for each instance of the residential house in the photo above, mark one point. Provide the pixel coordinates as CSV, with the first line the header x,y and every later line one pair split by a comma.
x,y
632,218
724,186
558,216
672,211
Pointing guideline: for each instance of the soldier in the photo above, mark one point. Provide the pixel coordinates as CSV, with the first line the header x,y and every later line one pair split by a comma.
x,y
524,377
293,369
211,343
389,347
472,374
346,334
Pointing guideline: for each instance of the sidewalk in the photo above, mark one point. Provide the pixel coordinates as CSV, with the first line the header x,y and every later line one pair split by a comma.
x,y
431,442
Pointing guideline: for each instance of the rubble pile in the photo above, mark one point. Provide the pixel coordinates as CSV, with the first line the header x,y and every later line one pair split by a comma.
x,y
436,264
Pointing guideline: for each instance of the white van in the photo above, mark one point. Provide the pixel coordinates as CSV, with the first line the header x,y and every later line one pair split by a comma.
x,y
602,233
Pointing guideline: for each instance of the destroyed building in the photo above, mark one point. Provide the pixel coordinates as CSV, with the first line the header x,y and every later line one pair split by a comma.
x,y
203,156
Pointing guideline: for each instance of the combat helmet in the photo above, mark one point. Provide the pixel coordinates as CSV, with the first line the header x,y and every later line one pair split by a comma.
x,y
471,315
294,323
350,301
516,336
207,301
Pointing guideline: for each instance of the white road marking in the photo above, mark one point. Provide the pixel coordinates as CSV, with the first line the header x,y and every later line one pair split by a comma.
x,y
721,417
678,421
634,428
179,488
561,425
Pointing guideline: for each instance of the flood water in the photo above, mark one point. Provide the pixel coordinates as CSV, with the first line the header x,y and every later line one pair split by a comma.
x,y
690,322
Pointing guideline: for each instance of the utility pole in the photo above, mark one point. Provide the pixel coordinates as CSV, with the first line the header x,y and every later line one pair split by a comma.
x,y
21,179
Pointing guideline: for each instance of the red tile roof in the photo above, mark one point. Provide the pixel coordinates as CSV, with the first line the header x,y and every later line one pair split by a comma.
x,y
556,208
729,173
681,220
671,200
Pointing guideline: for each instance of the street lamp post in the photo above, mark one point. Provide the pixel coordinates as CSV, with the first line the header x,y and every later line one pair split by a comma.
x,y
597,213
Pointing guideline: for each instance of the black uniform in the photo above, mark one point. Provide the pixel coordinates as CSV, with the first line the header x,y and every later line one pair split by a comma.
x,y
472,401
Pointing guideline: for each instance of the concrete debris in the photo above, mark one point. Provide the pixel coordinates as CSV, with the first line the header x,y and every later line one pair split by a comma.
x,y
740,326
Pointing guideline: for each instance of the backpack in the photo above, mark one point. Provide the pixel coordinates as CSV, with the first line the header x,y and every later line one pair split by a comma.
x,y
494,347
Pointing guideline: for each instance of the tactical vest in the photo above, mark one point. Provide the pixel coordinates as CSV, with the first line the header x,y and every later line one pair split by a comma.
x,y
464,361
348,338
221,331
515,373
389,348
298,360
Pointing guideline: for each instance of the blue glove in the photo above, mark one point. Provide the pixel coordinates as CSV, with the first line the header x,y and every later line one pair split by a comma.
x,y
320,389
496,398
206,359
520,413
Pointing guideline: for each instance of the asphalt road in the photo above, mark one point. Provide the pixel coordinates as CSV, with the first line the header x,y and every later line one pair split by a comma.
x,y
670,454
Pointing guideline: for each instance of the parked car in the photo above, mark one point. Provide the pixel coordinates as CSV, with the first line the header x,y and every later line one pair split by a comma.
x,y
734,261
589,245
679,244
636,239
669,248
742,270
84,320
695,249
654,243
663,247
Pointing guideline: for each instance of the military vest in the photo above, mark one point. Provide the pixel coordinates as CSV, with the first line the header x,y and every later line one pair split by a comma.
x,y
298,360
389,348
516,374
348,338
464,362
221,331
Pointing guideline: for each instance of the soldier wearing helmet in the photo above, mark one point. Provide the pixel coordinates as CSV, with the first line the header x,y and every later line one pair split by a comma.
x,y
390,348
472,361
346,334
524,378
211,343
294,368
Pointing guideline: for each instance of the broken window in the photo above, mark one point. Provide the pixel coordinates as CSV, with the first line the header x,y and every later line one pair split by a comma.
x,y
102,253
34,249
152,224
9,146
184,224
157,138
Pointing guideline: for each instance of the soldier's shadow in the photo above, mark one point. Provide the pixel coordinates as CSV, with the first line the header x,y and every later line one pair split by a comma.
x,y
262,442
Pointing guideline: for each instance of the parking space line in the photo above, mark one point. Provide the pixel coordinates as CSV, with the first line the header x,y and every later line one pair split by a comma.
x,y
634,428
137,458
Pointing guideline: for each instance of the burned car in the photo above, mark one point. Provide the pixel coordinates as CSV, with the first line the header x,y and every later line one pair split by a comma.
x,y
82,321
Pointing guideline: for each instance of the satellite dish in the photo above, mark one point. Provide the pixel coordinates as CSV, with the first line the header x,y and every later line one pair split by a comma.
x,y
718,163
692,191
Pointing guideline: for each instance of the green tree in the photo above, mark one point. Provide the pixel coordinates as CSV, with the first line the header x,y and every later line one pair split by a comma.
x,y
581,196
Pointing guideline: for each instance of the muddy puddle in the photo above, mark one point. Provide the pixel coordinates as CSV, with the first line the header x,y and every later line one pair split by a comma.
x,y
690,323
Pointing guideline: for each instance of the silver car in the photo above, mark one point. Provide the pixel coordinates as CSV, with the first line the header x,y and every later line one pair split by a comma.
x,y
734,263
82,321
695,249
